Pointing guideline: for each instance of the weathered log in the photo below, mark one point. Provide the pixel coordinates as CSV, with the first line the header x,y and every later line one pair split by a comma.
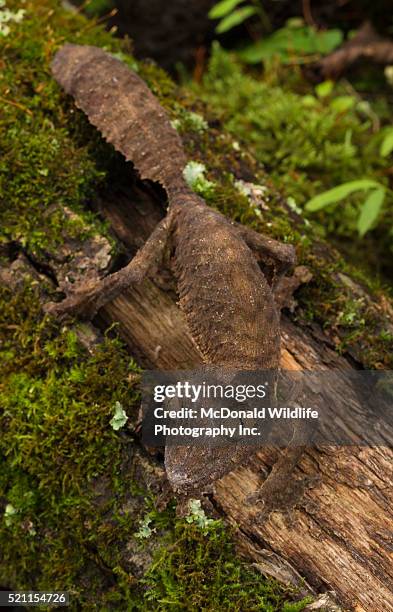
x,y
342,538
367,45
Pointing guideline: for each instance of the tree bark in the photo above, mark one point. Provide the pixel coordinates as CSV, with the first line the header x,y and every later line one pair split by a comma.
x,y
367,45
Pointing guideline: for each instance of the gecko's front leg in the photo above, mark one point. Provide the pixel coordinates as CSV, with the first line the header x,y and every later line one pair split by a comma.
x,y
277,256
86,301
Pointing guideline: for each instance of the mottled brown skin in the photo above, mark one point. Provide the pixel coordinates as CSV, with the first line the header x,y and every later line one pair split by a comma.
x,y
228,303
125,111
226,299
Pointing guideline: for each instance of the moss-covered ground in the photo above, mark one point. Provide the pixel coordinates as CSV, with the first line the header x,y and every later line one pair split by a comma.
x,y
308,137
74,514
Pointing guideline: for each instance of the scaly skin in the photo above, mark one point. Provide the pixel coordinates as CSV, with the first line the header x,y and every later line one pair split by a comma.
x,y
227,301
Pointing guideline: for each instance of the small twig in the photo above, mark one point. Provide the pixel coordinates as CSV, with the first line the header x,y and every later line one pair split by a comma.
x,y
307,14
366,45
102,19
17,105
200,60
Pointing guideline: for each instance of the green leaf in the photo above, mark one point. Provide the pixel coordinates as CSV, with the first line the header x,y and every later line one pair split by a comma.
x,y
324,89
235,18
327,41
339,193
370,211
387,144
223,8
287,42
276,44
341,104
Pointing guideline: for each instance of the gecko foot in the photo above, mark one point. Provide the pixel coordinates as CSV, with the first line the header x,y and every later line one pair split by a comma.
x,y
279,494
82,304
87,300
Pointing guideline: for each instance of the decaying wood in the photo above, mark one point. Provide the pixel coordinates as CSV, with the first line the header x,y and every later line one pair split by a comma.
x,y
342,540
366,45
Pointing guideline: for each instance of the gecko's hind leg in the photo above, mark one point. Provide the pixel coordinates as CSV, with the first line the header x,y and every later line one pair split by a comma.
x,y
86,301
285,287
281,491
280,256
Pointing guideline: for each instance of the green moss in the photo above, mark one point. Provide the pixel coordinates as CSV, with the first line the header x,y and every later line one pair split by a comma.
x,y
307,142
56,400
44,167
196,569
56,442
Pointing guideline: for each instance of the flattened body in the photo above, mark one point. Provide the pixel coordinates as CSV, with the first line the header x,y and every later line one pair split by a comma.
x,y
226,299
233,319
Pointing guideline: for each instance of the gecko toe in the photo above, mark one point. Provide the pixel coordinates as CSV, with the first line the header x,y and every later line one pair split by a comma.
x,y
252,499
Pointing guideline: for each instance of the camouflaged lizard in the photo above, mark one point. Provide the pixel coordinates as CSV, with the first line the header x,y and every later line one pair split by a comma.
x,y
232,310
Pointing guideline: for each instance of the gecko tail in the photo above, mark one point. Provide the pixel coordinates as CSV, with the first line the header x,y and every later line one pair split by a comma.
x,y
122,107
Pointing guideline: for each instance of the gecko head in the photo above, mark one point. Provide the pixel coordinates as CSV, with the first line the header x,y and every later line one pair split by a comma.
x,y
193,469
182,476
